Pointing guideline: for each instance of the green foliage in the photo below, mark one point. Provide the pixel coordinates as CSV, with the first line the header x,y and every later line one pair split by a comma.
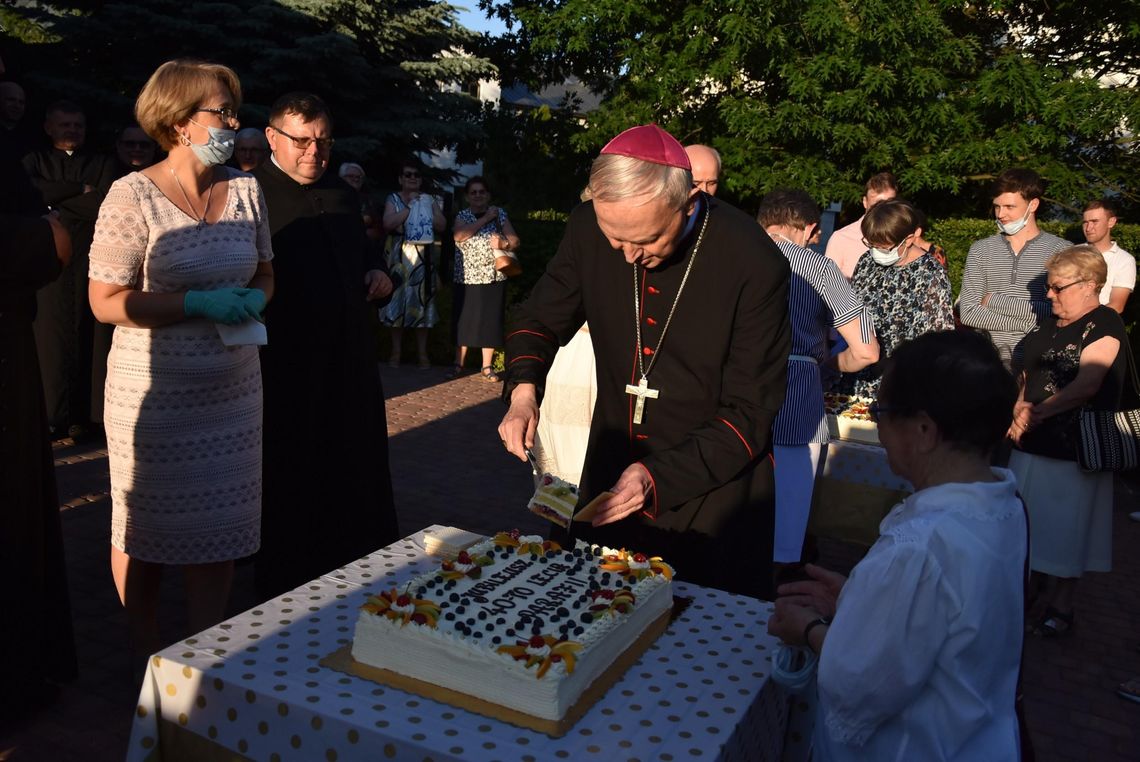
x,y
820,94
382,67
529,158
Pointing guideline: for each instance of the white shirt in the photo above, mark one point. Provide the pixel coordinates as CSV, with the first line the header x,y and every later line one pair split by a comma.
x,y
922,659
1121,271
846,246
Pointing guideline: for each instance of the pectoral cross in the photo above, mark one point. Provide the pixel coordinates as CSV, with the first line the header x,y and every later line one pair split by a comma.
x,y
641,391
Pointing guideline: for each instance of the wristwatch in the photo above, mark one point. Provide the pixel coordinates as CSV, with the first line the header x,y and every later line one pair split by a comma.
x,y
812,625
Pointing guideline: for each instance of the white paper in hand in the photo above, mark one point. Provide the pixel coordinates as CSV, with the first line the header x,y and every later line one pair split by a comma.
x,y
243,334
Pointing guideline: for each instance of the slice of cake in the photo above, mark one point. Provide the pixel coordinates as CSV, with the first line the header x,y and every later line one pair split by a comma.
x,y
516,621
555,500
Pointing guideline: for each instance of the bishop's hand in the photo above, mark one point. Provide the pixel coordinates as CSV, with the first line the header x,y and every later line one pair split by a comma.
x,y
521,421
630,492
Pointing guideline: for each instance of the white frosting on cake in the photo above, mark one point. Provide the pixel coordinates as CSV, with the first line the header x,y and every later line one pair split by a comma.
x,y
509,601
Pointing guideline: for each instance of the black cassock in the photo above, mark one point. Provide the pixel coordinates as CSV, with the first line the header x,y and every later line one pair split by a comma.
x,y
65,326
36,635
327,491
720,373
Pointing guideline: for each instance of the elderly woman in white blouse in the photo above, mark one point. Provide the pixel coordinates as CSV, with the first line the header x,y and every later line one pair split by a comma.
x,y
919,648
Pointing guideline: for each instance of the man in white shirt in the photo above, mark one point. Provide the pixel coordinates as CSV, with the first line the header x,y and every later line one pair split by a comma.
x,y
1098,221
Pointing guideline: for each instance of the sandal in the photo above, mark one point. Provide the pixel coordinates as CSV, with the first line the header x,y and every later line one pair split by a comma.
x,y
1054,624
1130,689
489,374
456,371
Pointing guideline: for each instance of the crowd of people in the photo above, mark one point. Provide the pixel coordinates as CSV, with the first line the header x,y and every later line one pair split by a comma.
x,y
195,293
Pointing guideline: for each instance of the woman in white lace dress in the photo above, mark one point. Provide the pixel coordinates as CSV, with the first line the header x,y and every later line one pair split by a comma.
x,y
182,249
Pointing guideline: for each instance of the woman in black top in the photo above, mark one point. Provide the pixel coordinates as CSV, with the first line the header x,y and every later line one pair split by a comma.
x,y
1073,360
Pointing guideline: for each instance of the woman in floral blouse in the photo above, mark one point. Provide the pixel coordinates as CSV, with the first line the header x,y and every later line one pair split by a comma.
x,y
1072,360
482,232
905,289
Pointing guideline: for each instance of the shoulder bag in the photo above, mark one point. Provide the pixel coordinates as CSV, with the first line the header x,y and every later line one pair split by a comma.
x,y
1111,441
506,262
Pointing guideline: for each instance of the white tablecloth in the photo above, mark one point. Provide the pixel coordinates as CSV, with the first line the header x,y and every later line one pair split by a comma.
x,y
253,685
858,463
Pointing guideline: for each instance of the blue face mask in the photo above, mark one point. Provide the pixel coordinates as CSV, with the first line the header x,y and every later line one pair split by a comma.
x,y
218,148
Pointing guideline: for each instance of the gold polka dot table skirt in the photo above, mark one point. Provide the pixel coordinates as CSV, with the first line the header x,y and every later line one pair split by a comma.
x,y
252,687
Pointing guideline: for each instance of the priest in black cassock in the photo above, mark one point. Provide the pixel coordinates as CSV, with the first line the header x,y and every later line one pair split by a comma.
x,y
327,491
686,298
73,181
37,649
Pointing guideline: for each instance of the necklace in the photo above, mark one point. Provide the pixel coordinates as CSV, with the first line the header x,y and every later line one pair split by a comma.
x,y
209,195
642,390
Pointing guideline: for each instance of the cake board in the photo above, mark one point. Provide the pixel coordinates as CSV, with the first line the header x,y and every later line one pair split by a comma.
x,y
341,661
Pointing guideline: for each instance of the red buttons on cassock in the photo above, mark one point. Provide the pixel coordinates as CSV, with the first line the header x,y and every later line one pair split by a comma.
x,y
647,351
650,321
654,290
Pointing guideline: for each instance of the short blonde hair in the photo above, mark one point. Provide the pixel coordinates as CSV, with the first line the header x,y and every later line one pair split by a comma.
x,y
1083,261
175,90
615,178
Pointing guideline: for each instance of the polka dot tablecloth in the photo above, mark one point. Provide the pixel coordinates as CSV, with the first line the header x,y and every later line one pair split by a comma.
x,y
857,463
253,685
854,490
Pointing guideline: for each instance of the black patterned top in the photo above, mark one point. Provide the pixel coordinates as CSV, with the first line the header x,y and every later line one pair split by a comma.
x,y
1052,358
904,302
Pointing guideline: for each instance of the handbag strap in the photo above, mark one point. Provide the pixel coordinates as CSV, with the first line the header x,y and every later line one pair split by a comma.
x,y
1125,403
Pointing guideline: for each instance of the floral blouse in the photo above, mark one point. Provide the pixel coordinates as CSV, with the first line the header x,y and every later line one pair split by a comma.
x,y
904,302
1052,358
474,258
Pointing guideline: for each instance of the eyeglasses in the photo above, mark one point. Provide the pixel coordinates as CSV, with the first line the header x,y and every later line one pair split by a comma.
x,y
875,410
1058,289
302,144
411,175
708,186
227,114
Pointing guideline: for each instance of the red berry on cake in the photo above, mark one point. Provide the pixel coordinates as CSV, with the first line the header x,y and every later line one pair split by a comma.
x,y
537,641
403,600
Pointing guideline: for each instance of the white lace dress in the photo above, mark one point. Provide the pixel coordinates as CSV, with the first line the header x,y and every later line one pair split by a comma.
x,y
183,411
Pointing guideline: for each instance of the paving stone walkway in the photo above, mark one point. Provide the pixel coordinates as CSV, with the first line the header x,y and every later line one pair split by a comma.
x,y
448,467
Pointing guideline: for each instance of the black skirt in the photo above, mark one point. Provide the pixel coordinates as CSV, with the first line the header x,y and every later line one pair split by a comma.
x,y
478,314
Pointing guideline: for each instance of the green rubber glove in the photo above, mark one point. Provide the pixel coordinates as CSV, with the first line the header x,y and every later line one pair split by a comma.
x,y
223,305
255,303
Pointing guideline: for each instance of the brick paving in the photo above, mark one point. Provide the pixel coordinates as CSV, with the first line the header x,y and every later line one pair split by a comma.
x,y
449,468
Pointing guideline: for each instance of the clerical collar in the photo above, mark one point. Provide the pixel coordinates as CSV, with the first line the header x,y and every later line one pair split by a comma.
x,y
691,221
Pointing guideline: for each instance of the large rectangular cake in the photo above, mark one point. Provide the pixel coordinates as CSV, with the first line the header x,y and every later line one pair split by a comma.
x,y
516,621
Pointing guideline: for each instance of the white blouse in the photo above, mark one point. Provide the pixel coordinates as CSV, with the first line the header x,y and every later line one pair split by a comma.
x,y
922,658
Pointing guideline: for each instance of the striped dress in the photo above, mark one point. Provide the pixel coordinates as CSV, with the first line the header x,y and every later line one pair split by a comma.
x,y
1016,285
819,299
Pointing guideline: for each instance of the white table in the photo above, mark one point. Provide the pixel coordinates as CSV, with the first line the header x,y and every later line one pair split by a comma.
x,y
252,685
854,490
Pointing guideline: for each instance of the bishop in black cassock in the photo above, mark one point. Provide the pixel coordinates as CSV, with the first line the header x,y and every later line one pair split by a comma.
x,y
327,490
719,374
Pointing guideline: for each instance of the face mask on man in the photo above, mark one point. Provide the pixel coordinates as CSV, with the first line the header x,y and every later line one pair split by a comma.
x,y
218,148
1013,228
